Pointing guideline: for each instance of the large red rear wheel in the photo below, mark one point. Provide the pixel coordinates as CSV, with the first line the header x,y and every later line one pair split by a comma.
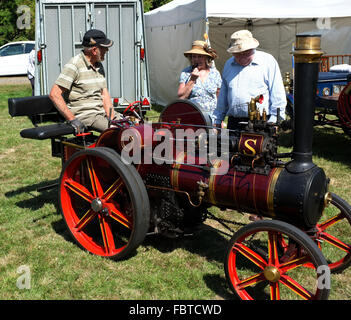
x,y
257,267
344,109
104,203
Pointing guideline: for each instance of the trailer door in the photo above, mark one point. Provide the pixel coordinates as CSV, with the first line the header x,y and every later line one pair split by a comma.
x,y
62,26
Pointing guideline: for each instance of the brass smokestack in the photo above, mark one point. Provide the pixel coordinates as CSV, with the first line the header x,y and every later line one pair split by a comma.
x,y
307,54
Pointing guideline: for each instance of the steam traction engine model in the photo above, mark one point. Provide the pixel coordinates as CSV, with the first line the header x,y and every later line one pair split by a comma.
x,y
139,177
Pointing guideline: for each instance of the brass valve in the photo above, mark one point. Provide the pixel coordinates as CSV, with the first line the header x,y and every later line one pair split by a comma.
x,y
287,82
264,115
253,112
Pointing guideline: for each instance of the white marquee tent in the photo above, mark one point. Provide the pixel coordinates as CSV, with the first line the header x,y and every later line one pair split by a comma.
x,y
170,30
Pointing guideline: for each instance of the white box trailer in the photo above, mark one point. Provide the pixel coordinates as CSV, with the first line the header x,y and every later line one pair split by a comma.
x,y
60,27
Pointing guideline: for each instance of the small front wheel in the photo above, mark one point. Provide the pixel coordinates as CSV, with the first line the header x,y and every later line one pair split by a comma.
x,y
333,234
266,260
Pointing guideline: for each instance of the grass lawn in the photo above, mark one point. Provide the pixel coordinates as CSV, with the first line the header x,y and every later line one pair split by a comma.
x,y
33,234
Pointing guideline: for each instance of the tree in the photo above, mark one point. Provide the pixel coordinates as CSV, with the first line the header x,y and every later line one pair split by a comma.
x,y
17,18
153,4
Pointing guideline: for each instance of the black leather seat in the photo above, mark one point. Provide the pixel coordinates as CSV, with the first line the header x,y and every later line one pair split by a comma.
x,y
46,132
39,109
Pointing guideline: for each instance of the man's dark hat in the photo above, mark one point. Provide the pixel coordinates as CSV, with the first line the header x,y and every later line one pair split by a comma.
x,y
94,37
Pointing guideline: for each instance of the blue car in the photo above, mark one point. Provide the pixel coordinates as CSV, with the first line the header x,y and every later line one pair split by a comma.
x,y
329,87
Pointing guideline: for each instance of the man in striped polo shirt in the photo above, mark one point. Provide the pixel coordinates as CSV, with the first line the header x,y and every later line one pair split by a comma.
x,y
83,81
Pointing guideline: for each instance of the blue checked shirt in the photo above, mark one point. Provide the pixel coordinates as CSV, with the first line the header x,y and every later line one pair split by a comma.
x,y
240,84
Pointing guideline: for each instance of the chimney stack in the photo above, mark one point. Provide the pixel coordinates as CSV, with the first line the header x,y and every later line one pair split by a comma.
x,y
307,54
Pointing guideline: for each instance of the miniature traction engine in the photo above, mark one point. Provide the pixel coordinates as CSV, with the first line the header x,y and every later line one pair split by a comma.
x,y
139,178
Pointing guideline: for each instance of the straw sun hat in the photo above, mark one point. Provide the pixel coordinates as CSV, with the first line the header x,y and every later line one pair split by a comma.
x,y
201,47
241,41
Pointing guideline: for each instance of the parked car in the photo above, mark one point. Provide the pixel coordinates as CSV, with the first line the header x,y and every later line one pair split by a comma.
x,y
14,57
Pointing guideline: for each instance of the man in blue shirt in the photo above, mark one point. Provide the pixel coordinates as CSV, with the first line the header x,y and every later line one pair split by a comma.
x,y
246,75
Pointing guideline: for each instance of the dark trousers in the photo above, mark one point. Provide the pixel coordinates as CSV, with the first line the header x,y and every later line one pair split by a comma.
x,y
233,122
32,84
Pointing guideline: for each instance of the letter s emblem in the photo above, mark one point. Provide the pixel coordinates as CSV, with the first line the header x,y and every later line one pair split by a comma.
x,y
249,147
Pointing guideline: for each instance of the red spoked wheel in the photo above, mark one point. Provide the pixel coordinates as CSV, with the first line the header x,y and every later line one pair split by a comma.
x,y
104,203
258,268
334,234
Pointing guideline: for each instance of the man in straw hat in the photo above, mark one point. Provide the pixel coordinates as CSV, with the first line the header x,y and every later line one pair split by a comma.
x,y
200,82
83,80
247,74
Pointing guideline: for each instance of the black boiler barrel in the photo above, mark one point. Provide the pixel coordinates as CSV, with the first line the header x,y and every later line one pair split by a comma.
x,y
300,198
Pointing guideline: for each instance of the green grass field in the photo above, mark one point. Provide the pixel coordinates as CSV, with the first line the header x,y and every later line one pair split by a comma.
x,y
33,234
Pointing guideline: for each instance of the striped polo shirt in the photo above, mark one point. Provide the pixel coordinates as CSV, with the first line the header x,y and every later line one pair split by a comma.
x,y
85,83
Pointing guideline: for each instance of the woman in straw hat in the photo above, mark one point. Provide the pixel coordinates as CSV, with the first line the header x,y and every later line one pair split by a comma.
x,y
200,82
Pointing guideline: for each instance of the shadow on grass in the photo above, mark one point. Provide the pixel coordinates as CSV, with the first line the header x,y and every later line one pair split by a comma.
x,y
197,243
207,242
43,193
218,285
331,144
